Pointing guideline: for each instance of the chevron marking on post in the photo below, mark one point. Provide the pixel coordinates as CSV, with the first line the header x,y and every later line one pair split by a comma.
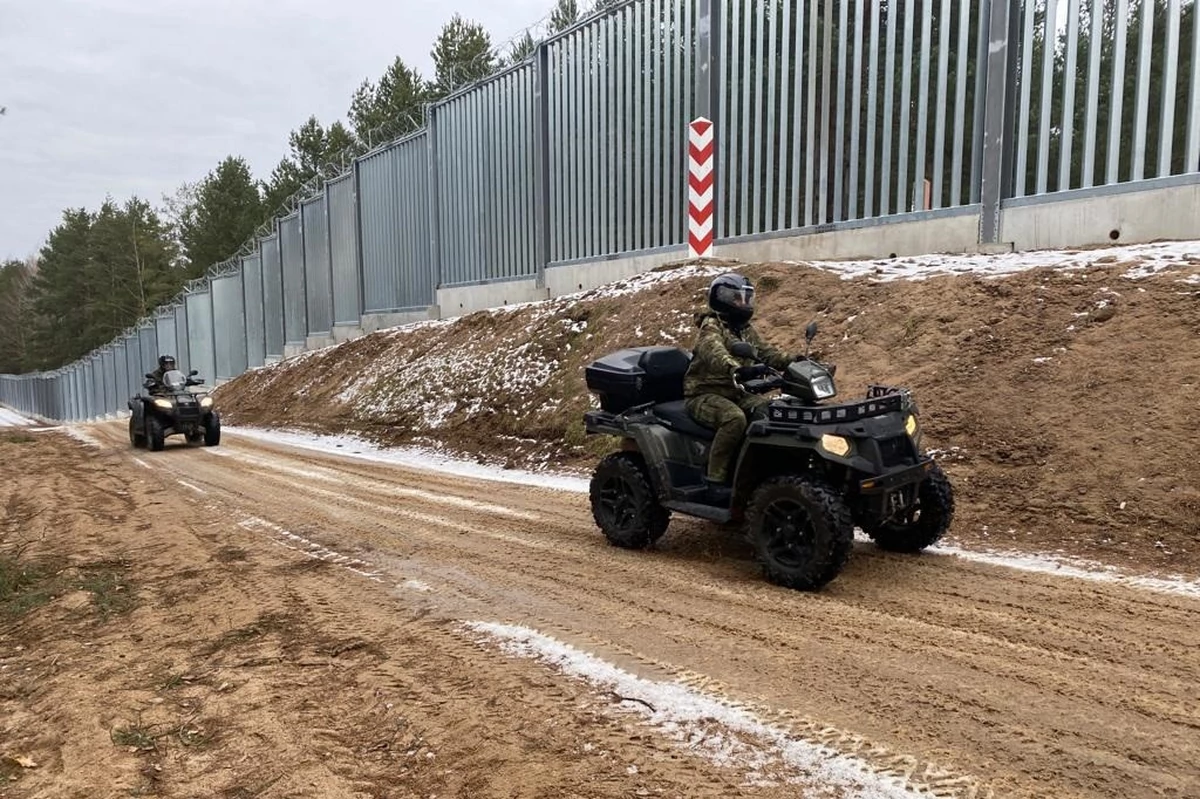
x,y
701,145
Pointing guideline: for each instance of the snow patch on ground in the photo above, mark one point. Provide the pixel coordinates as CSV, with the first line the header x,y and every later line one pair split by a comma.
x,y
1150,260
75,432
10,418
1077,569
412,457
738,739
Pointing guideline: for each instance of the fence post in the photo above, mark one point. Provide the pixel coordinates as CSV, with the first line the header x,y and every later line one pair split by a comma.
x,y
541,163
355,169
994,140
431,154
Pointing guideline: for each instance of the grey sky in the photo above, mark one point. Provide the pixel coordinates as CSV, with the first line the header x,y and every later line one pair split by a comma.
x,y
127,97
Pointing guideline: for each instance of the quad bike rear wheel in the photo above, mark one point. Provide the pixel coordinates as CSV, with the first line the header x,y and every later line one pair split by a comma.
x,y
136,438
922,524
623,502
801,530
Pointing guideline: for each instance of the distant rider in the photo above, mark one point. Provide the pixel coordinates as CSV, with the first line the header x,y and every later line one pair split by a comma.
x,y
165,364
713,396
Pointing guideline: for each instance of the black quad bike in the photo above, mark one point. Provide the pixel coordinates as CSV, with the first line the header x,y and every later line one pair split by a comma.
x,y
173,409
806,475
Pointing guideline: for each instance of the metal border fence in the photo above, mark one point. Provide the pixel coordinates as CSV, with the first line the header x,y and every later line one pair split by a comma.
x,y
824,111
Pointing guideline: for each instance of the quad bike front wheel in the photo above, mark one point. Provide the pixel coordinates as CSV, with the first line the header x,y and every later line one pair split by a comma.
x,y
801,530
922,524
155,434
212,430
623,502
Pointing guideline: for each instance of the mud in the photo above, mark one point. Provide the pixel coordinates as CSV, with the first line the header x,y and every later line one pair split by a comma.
x,y
295,630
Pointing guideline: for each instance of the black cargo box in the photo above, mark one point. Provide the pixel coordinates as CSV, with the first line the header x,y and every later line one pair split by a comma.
x,y
638,375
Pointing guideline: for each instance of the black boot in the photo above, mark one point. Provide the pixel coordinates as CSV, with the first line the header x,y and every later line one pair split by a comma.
x,y
717,493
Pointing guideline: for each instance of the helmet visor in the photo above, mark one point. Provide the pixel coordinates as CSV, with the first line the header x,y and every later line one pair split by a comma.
x,y
741,297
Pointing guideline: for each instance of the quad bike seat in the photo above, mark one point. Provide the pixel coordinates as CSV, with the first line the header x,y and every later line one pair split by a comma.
x,y
675,416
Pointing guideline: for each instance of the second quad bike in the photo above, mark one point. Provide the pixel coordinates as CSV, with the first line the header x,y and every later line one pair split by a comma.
x,y
173,408
807,473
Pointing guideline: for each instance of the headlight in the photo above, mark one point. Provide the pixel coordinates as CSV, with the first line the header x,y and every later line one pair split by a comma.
x,y
206,402
822,388
835,445
910,425
165,404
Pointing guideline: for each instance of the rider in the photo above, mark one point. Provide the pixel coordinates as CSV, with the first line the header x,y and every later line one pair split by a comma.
x,y
165,364
713,396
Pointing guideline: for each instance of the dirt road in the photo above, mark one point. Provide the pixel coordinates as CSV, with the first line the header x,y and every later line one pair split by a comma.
x,y
298,632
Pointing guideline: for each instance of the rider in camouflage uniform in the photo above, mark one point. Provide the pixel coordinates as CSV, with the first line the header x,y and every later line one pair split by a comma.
x,y
165,364
710,387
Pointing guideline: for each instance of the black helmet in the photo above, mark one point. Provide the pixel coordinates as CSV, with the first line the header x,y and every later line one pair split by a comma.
x,y
731,296
166,362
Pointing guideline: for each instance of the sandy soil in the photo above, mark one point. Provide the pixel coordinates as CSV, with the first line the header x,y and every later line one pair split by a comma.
x,y
251,621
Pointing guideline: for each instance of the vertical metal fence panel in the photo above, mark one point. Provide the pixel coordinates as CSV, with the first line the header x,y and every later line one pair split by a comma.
x,y
108,363
889,93
252,304
121,365
840,128
395,223
318,280
1048,35
1118,92
133,365
493,136
943,88
229,326
1142,103
1192,146
1026,94
1167,90
89,397
182,347
78,375
164,327
1067,126
148,347
272,287
343,250
291,250
200,334
1093,95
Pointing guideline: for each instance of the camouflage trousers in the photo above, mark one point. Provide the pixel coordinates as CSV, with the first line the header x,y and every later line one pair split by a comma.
x,y
729,418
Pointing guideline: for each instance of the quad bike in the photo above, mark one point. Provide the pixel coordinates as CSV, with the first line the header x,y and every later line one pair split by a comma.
x,y
807,473
173,409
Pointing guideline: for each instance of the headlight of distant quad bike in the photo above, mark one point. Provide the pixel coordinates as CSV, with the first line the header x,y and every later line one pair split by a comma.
x,y
835,445
206,402
165,404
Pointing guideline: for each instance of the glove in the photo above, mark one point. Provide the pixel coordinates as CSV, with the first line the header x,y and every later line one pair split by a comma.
x,y
744,373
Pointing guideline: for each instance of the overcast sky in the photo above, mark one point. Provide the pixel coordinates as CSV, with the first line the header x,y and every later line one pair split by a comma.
x,y
128,97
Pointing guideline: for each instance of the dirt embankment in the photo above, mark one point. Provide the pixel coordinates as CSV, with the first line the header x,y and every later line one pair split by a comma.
x,y
1061,401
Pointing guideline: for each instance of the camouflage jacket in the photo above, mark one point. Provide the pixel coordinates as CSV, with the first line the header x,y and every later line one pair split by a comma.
x,y
711,370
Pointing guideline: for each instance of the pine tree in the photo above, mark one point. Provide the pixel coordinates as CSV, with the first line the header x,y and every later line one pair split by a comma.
x,y
390,108
16,316
224,213
462,55
564,15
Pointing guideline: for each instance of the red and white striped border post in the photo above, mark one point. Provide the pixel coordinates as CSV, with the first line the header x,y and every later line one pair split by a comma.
x,y
700,188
